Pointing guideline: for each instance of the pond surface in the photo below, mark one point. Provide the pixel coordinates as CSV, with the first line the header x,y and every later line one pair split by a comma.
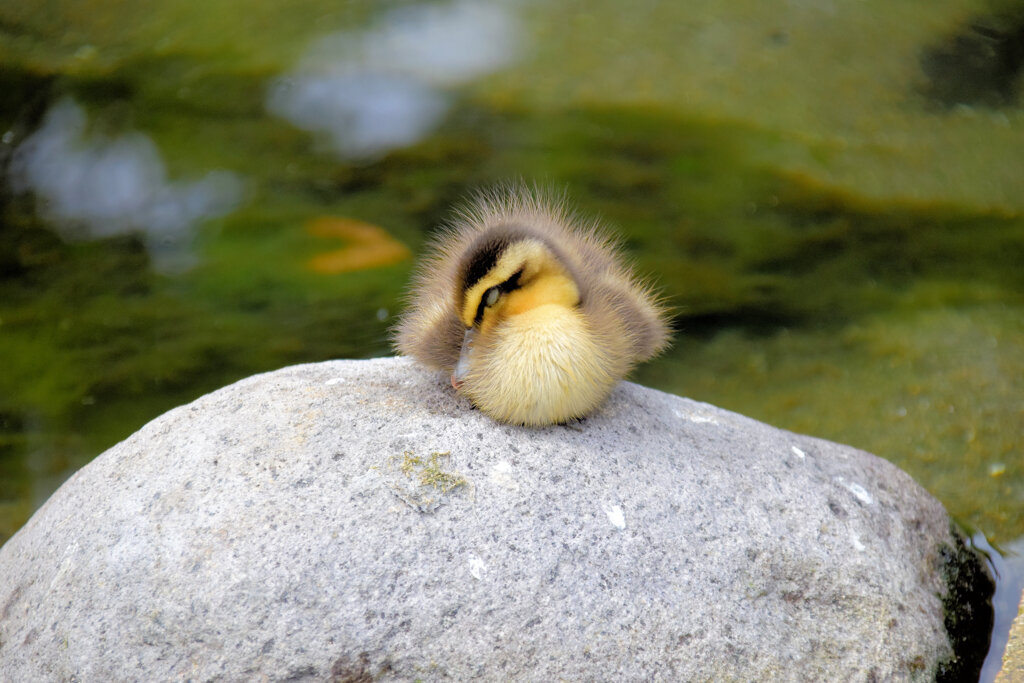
x,y
829,197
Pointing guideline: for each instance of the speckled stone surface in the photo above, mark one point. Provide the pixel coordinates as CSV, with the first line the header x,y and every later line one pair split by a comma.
x,y
1013,659
352,520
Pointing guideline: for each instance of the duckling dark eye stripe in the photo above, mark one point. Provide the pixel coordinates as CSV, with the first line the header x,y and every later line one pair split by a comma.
x,y
480,309
485,258
506,286
511,283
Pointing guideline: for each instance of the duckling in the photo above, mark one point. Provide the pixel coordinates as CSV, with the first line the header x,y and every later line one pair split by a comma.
x,y
530,309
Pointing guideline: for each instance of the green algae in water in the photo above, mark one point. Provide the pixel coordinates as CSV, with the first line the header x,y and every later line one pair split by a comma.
x,y
845,86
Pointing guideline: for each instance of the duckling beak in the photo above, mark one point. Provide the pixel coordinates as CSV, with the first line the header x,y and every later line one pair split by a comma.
x,y
462,366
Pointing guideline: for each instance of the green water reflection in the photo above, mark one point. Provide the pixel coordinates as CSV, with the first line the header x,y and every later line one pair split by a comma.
x,y
844,262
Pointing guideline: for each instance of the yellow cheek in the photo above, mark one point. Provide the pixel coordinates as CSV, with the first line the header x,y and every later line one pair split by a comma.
x,y
492,316
548,289
550,296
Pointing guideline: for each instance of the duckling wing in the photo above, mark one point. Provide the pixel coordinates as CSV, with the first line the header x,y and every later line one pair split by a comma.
x,y
429,329
620,307
626,317
430,332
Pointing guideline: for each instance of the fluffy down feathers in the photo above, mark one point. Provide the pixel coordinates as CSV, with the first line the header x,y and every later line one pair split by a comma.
x,y
531,310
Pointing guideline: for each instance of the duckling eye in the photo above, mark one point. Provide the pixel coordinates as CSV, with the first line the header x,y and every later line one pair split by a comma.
x,y
491,296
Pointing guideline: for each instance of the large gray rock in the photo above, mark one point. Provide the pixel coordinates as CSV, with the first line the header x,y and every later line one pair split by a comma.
x,y
355,519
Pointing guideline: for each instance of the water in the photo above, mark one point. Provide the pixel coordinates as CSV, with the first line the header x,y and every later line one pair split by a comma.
x,y
91,187
193,195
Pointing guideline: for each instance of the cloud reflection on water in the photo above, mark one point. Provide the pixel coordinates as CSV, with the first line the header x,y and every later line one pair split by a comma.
x,y
92,186
372,91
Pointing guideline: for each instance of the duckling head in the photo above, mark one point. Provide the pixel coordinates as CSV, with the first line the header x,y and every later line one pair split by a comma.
x,y
528,355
